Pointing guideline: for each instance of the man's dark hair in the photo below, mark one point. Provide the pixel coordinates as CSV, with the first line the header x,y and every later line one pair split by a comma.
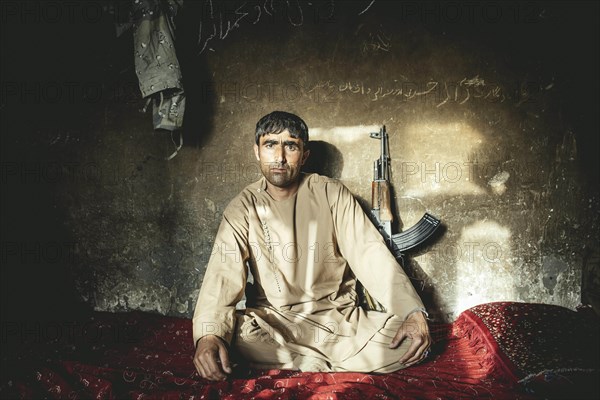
x,y
278,121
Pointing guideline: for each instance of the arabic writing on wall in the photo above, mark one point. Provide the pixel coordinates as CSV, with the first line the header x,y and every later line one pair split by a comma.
x,y
436,93
219,19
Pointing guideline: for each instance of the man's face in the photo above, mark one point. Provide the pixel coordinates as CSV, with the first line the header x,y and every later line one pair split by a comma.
x,y
281,156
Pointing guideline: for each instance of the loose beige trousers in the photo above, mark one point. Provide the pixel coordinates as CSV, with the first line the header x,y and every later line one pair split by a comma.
x,y
257,346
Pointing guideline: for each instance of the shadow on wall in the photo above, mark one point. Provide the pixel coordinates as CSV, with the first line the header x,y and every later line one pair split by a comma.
x,y
199,86
325,159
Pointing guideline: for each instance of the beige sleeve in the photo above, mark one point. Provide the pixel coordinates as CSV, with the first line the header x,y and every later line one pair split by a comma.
x,y
224,280
369,258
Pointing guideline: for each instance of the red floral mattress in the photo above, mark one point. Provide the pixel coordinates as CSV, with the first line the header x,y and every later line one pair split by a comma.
x,y
492,351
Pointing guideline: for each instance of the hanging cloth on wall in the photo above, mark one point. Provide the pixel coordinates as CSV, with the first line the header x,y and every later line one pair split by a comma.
x,y
156,63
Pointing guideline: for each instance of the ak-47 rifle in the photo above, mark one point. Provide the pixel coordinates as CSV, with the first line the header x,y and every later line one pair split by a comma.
x,y
382,216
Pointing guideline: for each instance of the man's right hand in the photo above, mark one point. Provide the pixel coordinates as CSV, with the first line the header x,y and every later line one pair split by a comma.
x,y
211,359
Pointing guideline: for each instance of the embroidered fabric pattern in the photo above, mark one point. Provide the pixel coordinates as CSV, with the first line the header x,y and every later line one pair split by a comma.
x,y
269,246
534,336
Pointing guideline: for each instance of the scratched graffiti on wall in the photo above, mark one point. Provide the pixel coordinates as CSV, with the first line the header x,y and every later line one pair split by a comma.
x,y
219,19
436,92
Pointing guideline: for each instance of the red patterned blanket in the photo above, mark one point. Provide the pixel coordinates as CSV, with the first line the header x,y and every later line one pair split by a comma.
x,y
482,355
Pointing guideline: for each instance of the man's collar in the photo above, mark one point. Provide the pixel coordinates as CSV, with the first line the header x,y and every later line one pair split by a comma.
x,y
262,183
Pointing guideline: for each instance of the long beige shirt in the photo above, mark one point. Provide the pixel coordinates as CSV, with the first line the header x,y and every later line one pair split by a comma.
x,y
305,254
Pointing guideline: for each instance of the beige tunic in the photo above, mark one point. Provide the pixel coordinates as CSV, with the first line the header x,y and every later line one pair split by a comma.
x,y
305,254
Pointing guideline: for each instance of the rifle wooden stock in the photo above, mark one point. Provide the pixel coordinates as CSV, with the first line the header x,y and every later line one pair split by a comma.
x,y
375,195
380,200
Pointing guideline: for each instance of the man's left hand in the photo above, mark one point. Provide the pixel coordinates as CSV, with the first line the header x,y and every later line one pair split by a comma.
x,y
415,328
